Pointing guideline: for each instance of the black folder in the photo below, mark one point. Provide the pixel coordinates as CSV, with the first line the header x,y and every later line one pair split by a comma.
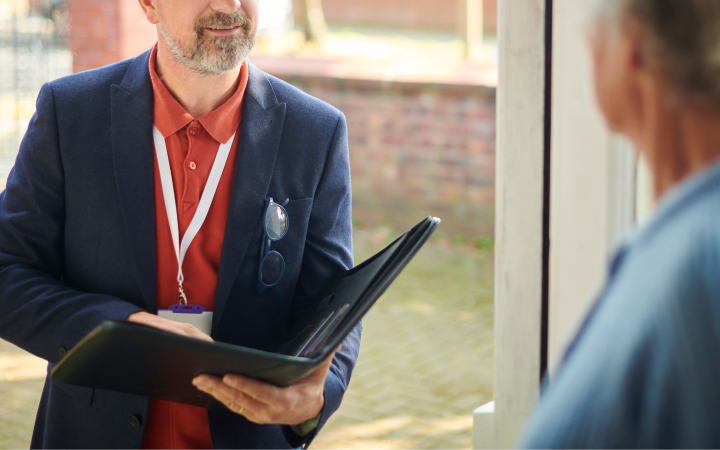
x,y
137,359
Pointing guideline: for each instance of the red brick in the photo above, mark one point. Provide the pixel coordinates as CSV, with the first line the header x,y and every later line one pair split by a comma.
x,y
403,152
107,31
414,14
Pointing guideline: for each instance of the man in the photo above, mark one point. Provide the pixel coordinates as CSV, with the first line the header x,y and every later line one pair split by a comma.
x,y
114,172
642,372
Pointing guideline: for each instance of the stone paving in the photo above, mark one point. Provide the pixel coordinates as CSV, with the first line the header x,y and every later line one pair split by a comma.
x,y
425,360
21,381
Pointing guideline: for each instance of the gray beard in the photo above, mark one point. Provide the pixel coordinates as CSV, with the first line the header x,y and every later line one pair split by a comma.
x,y
211,56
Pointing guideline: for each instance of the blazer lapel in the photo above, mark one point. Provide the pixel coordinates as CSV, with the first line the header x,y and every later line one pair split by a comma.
x,y
132,150
260,131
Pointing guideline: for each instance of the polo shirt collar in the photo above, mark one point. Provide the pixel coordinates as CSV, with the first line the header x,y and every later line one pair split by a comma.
x,y
222,123
170,117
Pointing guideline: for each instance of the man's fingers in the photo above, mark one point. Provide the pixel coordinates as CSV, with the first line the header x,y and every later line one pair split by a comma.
x,y
183,329
193,332
161,323
330,358
322,370
325,366
264,403
235,400
201,336
224,393
264,392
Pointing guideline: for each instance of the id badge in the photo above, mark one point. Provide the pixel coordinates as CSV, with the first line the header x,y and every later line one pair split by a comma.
x,y
195,314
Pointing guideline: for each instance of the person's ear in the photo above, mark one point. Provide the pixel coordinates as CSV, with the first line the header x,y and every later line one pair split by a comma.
x,y
633,44
150,11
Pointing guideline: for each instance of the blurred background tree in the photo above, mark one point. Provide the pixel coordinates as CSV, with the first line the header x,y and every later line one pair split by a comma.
x,y
310,19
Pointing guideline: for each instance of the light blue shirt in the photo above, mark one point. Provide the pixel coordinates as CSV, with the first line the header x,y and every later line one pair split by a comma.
x,y
644,370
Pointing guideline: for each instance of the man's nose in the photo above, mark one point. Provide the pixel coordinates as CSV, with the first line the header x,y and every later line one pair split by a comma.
x,y
225,6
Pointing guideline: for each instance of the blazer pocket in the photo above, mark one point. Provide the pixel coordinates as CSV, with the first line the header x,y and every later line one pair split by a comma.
x,y
82,395
299,214
292,245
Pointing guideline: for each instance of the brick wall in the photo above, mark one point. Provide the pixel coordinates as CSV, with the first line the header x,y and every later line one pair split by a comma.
x,y
107,31
419,14
417,149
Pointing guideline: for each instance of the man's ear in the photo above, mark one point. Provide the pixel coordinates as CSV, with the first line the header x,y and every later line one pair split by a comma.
x,y
150,10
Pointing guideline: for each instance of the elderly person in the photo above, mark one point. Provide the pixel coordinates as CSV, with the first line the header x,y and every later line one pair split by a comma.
x,y
643,369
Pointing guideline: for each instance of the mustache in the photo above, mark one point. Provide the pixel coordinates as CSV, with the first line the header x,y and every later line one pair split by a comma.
x,y
217,20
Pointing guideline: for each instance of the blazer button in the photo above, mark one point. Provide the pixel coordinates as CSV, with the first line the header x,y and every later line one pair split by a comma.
x,y
62,351
134,421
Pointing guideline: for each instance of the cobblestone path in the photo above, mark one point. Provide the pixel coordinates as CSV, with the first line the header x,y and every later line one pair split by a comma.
x,y
425,360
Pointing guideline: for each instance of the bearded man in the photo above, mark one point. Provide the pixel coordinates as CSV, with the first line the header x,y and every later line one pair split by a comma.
x,y
145,182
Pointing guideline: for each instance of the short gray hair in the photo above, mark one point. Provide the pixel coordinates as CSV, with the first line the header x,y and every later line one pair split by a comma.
x,y
682,42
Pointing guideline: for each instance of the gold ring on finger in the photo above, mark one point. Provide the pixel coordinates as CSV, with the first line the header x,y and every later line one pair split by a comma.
x,y
241,410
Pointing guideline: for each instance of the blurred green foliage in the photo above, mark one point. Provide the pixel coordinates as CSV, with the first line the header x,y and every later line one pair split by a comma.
x,y
485,242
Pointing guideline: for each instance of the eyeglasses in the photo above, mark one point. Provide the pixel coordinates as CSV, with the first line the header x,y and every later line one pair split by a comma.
x,y
275,226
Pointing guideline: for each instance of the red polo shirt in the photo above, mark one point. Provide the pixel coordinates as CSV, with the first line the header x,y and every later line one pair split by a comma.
x,y
192,145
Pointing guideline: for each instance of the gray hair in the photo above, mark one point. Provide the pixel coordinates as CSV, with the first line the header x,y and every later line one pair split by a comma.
x,y
681,42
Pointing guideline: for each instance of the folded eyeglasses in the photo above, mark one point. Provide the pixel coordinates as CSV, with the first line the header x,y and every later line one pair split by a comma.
x,y
275,226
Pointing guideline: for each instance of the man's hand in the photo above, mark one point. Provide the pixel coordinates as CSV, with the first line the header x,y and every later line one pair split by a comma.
x,y
171,326
264,403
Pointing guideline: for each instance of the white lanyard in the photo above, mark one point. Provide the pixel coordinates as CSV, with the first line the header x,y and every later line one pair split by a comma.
x,y
203,207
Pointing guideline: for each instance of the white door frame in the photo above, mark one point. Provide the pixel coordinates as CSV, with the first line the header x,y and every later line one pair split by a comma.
x,y
565,192
519,212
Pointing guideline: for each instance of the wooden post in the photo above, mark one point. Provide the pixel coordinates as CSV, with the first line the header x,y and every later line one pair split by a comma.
x,y
310,18
471,25
518,217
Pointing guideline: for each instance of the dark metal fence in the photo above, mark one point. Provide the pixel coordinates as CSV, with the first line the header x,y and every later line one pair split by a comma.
x,y
33,50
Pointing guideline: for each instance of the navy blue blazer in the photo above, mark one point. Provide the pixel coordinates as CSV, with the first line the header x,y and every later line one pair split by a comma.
x,y
77,240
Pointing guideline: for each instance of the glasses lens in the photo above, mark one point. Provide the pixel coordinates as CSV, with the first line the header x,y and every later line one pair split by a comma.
x,y
272,269
276,222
